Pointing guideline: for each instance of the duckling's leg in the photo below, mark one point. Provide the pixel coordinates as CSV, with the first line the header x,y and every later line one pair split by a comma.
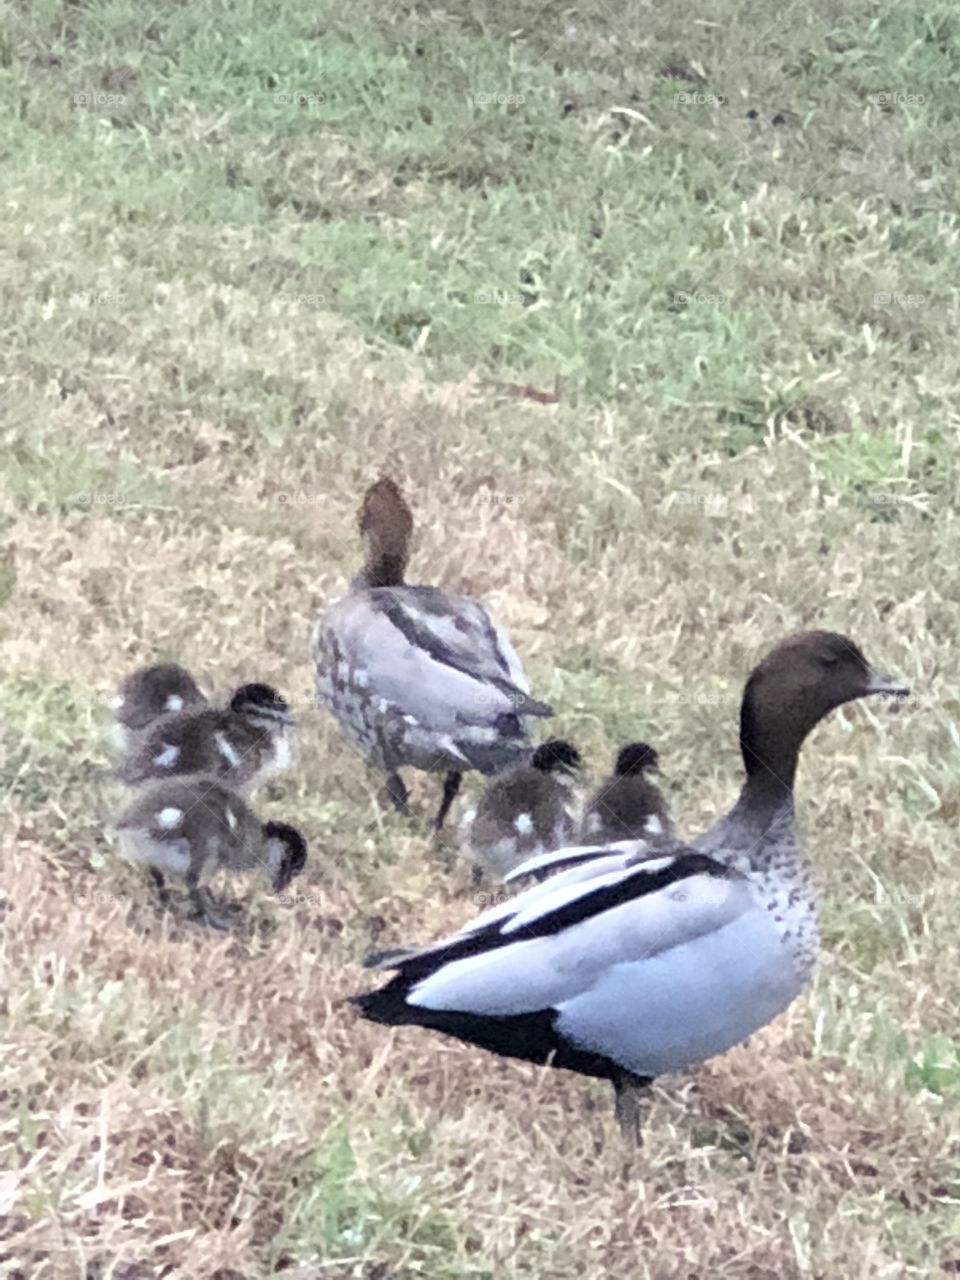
x,y
163,893
397,791
451,785
628,1090
201,906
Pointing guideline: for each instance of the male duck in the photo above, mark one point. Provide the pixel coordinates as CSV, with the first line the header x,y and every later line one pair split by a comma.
x,y
149,693
623,967
186,825
525,811
416,677
243,745
629,806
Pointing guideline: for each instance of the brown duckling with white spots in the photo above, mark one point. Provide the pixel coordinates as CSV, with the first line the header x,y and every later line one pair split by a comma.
x,y
629,806
242,745
186,826
147,695
525,811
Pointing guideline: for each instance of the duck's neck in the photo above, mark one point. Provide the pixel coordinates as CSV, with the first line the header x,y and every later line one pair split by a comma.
x,y
384,570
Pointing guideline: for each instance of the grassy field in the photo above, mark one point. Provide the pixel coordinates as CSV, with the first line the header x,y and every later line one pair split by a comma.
x,y
250,256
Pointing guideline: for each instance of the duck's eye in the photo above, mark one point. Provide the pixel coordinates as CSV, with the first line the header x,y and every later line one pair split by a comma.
x,y
830,660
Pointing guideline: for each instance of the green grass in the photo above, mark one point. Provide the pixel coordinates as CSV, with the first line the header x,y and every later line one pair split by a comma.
x,y
251,256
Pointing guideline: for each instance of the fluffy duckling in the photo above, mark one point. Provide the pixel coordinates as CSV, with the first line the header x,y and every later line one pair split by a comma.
x,y
243,744
625,967
525,811
146,695
629,806
185,826
416,677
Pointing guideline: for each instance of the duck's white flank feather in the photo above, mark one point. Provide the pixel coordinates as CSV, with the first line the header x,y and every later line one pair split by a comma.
x,y
699,964
576,852
167,757
169,818
226,749
174,702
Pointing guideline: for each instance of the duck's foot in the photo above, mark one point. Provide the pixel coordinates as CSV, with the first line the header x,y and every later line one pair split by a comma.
x,y
451,785
202,910
629,1091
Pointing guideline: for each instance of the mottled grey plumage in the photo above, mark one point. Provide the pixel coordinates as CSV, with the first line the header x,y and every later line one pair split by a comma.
x,y
416,677
186,826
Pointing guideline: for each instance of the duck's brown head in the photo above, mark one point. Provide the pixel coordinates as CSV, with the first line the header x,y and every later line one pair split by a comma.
x,y
800,681
386,526
636,757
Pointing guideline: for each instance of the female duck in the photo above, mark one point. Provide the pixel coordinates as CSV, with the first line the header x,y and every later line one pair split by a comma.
x,y
416,677
625,967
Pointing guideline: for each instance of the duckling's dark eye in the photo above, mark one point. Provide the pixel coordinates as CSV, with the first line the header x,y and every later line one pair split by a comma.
x,y
830,660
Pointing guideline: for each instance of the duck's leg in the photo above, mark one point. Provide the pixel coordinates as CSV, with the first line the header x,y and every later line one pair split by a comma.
x,y
451,785
163,893
201,904
628,1090
397,791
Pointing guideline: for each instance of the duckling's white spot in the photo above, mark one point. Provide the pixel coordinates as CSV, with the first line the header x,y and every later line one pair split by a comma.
x,y
593,822
231,819
383,706
523,824
409,719
169,818
361,678
653,826
225,747
167,757
281,753
116,702
174,702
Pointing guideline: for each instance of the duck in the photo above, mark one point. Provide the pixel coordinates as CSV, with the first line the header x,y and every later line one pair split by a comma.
x,y
243,744
415,676
628,806
626,967
524,811
185,826
149,693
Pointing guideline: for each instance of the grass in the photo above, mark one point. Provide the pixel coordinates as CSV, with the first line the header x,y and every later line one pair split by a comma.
x,y
252,255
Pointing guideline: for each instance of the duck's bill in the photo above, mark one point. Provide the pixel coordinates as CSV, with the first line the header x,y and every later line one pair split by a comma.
x,y
878,682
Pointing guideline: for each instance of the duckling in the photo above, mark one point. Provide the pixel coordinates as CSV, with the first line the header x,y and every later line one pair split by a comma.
x,y
629,806
242,745
149,693
625,967
525,811
184,826
416,677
